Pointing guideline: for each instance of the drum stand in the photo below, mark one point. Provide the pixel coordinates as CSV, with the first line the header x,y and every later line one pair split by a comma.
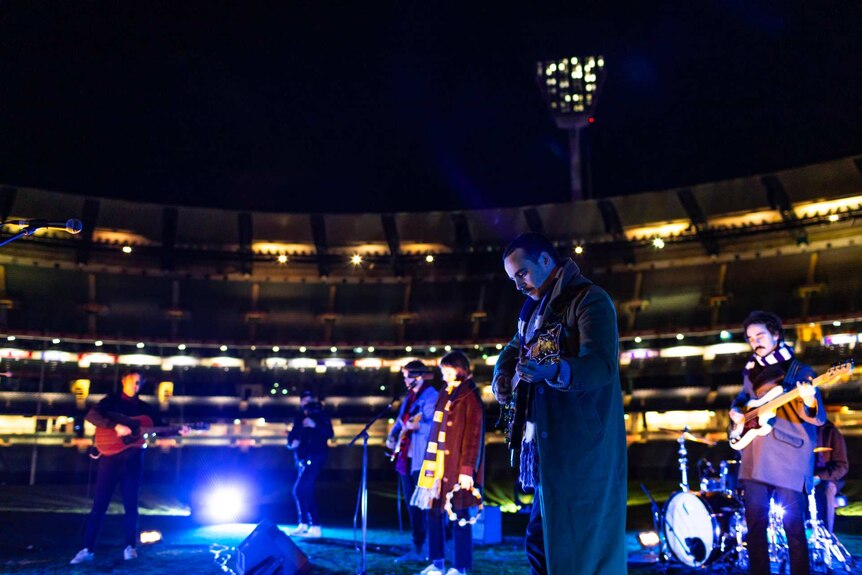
x,y
656,524
825,549
683,460
776,538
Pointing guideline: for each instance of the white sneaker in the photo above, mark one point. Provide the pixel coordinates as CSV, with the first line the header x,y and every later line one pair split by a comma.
x,y
453,571
313,531
83,555
431,570
300,530
130,553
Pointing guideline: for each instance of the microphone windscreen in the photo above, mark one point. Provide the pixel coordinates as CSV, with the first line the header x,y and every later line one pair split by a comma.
x,y
74,226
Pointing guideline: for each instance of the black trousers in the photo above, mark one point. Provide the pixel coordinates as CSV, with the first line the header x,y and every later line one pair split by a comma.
x,y
125,468
794,503
418,521
534,542
303,489
462,534
825,493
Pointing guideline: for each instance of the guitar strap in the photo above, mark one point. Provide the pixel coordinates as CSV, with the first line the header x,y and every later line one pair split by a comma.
x,y
790,377
528,473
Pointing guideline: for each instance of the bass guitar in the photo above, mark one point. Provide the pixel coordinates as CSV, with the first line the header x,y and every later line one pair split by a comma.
x,y
543,349
109,443
760,412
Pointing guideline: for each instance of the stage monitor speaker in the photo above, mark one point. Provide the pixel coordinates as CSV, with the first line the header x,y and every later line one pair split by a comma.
x,y
268,550
488,530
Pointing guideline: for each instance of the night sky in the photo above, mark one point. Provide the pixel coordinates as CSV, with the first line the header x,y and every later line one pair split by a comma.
x,y
394,106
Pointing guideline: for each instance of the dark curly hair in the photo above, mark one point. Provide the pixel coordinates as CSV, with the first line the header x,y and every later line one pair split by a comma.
x,y
768,319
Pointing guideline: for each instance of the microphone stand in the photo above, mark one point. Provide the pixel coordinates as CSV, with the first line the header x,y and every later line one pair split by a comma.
x,y
19,235
32,227
362,496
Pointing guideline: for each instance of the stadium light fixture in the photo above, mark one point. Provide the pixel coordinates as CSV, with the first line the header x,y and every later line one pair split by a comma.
x,y
571,85
570,88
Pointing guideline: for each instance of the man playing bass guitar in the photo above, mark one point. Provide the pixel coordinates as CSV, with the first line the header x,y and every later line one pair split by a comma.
x,y
779,464
118,411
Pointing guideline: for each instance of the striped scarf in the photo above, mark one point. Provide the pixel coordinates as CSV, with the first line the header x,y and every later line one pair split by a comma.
x,y
778,355
528,469
431,474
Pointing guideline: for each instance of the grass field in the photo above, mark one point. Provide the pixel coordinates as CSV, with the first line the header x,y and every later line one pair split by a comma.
x,y
41,531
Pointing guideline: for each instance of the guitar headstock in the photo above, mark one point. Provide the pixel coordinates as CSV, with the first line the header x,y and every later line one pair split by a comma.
x,y
841,368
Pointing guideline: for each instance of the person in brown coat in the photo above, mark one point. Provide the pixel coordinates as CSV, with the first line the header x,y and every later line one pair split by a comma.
x,y
454,464
830,467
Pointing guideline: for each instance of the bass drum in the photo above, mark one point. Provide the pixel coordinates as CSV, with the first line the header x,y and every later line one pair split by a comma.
x,y
700,527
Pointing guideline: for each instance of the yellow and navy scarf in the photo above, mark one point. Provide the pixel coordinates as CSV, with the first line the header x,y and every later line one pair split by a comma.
x,y
431,474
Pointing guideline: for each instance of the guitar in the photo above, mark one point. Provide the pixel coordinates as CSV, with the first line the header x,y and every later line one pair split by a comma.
x,y
109,443
402,435
760,412
544,348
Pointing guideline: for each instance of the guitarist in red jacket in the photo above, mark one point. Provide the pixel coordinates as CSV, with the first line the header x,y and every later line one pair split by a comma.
x,y
117,411
781,463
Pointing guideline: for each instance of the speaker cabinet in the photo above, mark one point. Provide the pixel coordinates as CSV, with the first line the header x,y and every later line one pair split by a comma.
x,y
268,551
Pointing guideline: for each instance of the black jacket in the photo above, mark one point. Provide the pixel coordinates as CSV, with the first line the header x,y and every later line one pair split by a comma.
x,y
313,441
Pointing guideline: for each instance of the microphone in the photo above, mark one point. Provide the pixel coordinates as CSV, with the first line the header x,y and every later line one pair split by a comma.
x,y
71,225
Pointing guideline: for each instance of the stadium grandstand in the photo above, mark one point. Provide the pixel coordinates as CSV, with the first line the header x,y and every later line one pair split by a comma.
x,y
231,315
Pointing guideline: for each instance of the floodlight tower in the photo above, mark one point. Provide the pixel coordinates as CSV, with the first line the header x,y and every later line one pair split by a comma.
x,y
570,87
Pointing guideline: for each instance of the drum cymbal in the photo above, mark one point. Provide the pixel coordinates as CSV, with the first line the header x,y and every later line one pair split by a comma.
x,y
821,449
689,436
692,437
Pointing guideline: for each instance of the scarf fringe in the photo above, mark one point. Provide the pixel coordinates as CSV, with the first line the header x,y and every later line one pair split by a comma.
x,y
423,497
529,468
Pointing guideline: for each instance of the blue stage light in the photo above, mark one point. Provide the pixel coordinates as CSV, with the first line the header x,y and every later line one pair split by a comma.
x,y
225,504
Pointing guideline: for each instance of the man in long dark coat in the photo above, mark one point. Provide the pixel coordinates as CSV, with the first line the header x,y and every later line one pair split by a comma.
x,y
574,449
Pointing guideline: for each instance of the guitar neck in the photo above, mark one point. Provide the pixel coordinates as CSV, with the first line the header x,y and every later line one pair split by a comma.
x,y
161,429
785,398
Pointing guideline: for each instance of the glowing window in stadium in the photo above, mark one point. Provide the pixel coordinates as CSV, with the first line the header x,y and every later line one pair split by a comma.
x,y
87,359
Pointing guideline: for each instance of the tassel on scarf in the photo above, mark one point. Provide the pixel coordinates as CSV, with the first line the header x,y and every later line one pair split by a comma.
x,y
529,468
423,497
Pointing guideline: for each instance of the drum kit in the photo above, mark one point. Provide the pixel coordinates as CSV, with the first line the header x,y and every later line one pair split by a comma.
x,y
706,529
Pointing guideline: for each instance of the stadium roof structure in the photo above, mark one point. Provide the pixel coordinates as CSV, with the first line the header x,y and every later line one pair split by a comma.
x,y
781,241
